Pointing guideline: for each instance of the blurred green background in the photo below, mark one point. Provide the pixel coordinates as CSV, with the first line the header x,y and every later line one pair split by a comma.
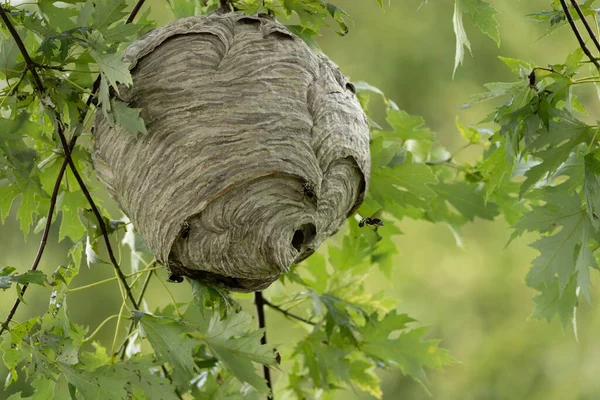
x,y
474,298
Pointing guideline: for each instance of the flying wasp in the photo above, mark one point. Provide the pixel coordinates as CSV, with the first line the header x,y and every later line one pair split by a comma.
x,y
373,220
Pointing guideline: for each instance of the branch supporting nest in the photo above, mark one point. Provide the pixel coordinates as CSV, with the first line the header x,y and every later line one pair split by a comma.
x,y
68,147
259,301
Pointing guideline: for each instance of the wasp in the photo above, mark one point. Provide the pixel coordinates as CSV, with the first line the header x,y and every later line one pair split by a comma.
x,y
373,220
185,230
175,278
308,190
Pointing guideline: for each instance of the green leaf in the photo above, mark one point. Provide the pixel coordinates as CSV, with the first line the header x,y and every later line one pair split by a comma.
x,y
362,376
8,57
338,15
338,316
30,277
113,68
461,36
316,265
560,250
43,390
151,384
102,384
326,363
7,195
312,13
591,188
554,301
182,8
471,135
169,341
405,127
483,16
230,340
123,32
6,275
408,351
129,118
401,187
557,144
518,67
467,198
107,12
496,167
71,225
584,261
27,208
495,89
60,19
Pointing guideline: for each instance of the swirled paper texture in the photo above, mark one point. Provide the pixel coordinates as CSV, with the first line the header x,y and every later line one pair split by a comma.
x,y
257,149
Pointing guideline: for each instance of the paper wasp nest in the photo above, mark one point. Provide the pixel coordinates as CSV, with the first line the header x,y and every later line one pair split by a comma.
x,y
257,149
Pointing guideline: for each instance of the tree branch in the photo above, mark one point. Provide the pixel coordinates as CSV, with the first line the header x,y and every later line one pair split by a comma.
x,y
260,302
135,11
28,62
122,349
287,313
30,65
38,256
586,24
101,224
578,35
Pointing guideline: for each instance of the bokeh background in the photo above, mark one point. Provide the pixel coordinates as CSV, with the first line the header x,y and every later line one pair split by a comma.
x,y
473,297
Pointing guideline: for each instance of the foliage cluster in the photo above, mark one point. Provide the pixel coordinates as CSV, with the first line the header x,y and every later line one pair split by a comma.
x,y
540,170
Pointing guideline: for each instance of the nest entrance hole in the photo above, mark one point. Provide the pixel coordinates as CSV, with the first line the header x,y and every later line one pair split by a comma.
x,y
303,236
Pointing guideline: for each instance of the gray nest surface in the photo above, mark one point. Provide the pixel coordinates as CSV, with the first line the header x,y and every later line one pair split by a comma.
x,y
257,149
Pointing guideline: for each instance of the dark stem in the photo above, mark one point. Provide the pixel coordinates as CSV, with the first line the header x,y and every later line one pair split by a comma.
x,y
440,162
30,65
287,313
135,11
123,346
260,302
16,87
578,35
96,212
586,24
38,256
168,376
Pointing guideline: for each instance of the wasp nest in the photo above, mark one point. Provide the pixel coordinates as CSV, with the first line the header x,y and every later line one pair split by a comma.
x,y
257,149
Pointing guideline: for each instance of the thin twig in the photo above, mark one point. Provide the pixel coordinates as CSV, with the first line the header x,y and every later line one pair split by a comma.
x,y
164,370
96,212
260,302
28,62
135,11
287,313
114,278
586,24
31,66
93,334
38,256
15,88
125,343
578,35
